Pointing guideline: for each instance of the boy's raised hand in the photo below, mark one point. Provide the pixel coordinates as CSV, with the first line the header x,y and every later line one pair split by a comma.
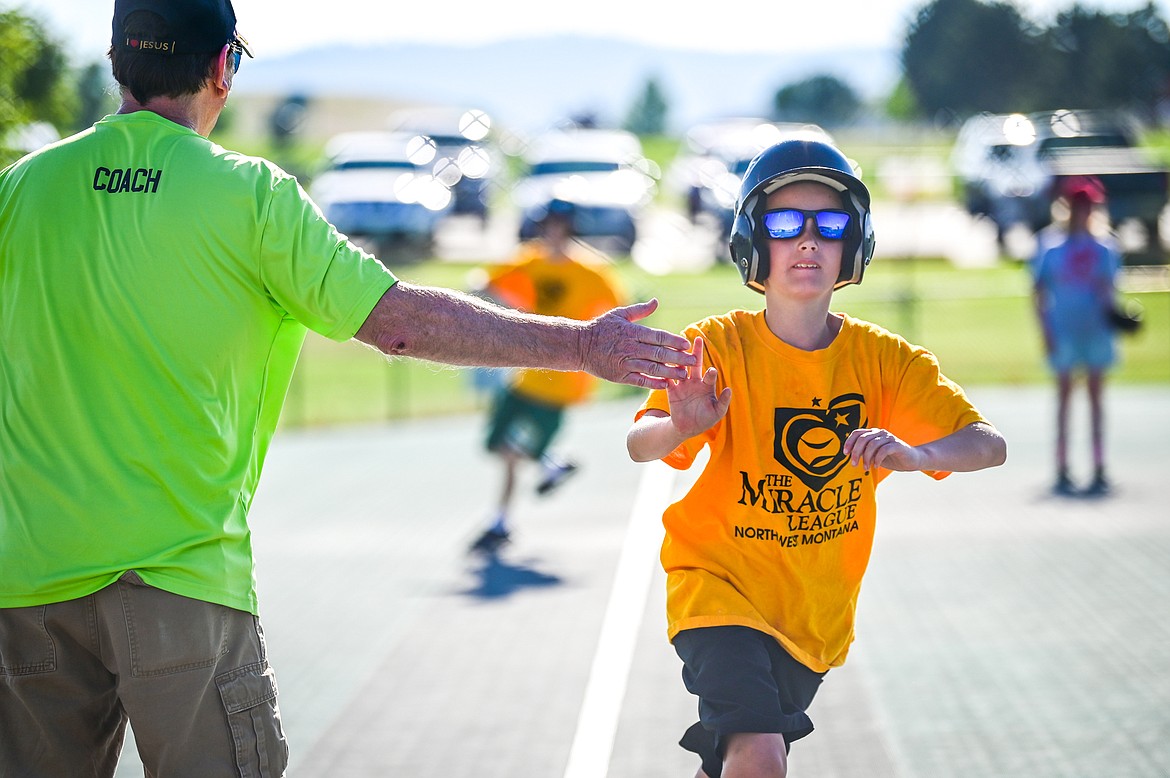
x,y
694,406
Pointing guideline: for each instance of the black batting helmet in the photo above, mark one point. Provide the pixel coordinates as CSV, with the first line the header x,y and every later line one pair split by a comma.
x,y
784,163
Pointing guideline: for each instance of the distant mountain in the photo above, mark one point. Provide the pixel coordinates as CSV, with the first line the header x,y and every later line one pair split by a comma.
x,y
529,84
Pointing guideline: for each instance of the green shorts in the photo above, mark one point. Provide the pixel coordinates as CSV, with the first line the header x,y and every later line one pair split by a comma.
x,y
522,425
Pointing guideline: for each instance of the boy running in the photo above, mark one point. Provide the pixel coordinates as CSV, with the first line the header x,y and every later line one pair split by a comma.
x,y
805,411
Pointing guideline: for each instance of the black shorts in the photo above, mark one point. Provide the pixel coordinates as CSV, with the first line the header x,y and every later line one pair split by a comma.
x,y
522,425
745,682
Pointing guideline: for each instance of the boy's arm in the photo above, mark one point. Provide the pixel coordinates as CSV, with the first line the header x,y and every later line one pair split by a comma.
x,y
694,408
1041,308
973,447
1040,299
652,436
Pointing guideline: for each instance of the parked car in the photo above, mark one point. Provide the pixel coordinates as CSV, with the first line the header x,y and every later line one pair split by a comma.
x,y
379,186
1010,167
716,155
464,158
602,172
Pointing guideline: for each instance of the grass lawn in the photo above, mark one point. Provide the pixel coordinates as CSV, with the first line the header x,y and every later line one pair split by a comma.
x,y
978,321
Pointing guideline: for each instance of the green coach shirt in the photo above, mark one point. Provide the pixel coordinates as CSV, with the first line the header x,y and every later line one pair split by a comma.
x,y
155,291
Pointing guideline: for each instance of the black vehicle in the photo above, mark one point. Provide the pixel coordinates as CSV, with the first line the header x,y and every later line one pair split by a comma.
x,y
1011,167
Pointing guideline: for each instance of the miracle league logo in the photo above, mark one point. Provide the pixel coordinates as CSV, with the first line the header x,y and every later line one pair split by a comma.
x,y
810,441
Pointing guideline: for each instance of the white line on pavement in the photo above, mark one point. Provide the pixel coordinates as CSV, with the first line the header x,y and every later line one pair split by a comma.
x,y
606,690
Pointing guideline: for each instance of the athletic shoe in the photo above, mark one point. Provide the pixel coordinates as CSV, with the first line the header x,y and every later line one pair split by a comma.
x,y
1064,485
491,541
555,476
1100,485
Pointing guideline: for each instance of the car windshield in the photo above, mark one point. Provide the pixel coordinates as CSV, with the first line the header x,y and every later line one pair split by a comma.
x,y
563,167
447,140
369,164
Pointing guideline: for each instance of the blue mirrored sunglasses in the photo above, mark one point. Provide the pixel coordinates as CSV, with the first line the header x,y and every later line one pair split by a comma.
x,y
787,223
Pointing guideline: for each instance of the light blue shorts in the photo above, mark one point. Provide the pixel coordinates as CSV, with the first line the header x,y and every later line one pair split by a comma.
x,y
1082,351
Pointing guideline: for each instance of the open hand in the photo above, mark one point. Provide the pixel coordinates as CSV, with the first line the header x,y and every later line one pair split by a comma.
x,y
694,406
618,350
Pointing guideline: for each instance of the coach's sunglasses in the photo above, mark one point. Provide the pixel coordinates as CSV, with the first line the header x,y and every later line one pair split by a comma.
x,y
787,223
239,47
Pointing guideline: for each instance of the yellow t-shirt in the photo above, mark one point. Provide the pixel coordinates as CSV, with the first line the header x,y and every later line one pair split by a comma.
x,y
777,530
577,287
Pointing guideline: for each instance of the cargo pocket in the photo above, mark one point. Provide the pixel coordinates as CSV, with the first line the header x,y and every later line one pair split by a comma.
x,y
25,645
249,697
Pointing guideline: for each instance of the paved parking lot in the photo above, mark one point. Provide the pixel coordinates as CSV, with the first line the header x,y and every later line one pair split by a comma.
x,y
1003,631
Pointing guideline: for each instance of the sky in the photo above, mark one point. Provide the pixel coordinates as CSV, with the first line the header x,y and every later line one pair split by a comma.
x,y
277,27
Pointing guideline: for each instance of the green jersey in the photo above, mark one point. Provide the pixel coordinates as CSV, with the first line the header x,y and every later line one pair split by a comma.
x,y
155,291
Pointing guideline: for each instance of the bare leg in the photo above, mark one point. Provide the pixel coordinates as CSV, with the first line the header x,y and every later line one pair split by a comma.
x,y
1064,484
1100,484
755,755
497,533
1097,418
508,487
1063,392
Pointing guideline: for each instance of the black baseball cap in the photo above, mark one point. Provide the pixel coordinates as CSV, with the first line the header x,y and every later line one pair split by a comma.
x,y
189,26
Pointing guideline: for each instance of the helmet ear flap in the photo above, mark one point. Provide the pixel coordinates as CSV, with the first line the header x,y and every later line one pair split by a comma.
x,y
858,251
868,241
751,263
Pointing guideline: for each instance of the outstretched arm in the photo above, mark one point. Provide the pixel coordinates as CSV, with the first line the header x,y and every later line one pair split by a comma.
x,y
973,447
446,326
694,408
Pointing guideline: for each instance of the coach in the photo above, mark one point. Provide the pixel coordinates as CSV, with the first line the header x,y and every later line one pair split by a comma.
x,y
155,290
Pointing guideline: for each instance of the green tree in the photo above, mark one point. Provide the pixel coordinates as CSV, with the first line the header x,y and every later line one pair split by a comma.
x,y
648,114
821,99
96,94
34,76
1104,60
901,103
966,56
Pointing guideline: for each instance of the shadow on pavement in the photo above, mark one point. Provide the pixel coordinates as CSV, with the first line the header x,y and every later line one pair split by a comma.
x,y
499,578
